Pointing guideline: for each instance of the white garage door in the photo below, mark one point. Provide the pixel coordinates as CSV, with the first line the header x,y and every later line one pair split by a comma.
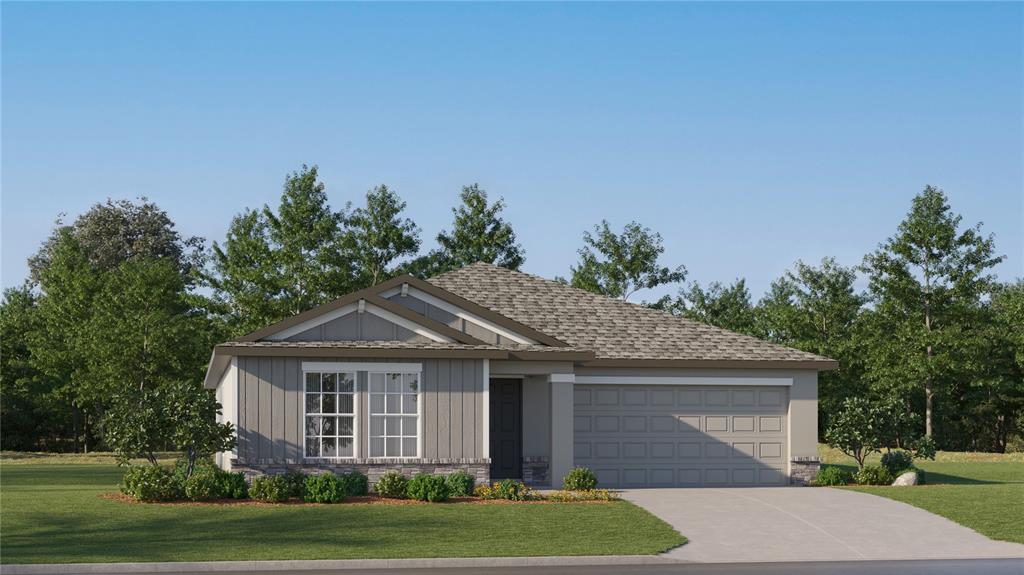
x,y
681,436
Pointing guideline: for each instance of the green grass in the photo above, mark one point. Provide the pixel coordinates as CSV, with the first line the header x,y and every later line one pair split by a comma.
x,y
982,491
55,514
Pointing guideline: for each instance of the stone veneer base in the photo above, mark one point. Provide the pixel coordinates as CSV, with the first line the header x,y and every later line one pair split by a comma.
x,y
803,470
480,469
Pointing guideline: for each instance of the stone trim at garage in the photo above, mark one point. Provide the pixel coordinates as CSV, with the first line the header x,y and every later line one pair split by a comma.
x,y
803,470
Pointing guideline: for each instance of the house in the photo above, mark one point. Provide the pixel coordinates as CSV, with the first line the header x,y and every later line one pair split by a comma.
x,y
509,375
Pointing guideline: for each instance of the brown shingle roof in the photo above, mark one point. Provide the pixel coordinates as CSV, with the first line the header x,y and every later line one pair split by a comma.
x,y
613,329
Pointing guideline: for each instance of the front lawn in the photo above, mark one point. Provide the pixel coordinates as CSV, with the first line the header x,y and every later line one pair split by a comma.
x,y
983,491
55,514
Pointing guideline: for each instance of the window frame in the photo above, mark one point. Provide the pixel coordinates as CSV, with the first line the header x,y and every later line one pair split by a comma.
x,y
370,414
361,401
355,413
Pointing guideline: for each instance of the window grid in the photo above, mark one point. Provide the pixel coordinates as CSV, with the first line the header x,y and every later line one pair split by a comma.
x,y
329,421
394,414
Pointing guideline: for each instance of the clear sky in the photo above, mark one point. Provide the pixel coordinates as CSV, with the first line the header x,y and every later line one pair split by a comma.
x,y
749,135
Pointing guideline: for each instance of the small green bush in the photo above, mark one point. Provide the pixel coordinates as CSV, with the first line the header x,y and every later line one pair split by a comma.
x,y
579,479
426,487
203,485
509,489
897,461
356,484
874,475
924,448
151,483
232,485
461,484
392,484
270,489
833,476
325,488
296,482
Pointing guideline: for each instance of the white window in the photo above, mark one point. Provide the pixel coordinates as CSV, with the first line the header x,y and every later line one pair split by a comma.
x,y
394,414
330,414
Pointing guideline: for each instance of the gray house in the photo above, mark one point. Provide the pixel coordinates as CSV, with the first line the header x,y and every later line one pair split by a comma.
x,y
509,375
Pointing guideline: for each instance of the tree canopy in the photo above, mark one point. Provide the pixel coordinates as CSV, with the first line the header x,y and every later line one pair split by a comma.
x,y
617,265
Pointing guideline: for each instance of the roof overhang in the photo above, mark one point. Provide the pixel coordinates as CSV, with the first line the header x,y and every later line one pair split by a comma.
x,y
818,365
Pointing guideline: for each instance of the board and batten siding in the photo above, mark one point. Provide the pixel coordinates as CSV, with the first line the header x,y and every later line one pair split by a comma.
x,y
271,402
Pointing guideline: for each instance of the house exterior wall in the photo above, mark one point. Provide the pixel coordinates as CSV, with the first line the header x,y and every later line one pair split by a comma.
x,y
433,312
536,430
270,417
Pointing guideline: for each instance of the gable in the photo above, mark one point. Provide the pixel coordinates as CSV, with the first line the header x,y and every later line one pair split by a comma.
x,y
454,316
360,321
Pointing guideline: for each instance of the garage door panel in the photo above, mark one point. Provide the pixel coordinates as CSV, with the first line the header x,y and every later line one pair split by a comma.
x,y
649,436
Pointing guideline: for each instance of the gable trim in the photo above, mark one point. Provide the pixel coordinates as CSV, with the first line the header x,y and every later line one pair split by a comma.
x,y
457,311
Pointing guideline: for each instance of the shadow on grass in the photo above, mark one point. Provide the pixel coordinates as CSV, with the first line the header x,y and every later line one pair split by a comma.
x,y
931,477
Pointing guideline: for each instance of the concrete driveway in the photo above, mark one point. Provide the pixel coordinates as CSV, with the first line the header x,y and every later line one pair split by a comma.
x,y
809,524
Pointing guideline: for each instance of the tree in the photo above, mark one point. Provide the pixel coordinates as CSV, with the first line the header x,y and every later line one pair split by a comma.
x,y
377,235
926,283
816,309
617,265
727,307
119,230
479,234
179,414
856,429
29,413
276,264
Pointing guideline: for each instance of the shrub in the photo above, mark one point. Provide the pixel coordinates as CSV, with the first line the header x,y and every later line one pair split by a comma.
x,y
391,484
505,489
232,485
356,483
924,448
325,488
897,461
151,483
567,496
296,483
874,475
579,479
833,476
461,484
203,485
269,489
426,487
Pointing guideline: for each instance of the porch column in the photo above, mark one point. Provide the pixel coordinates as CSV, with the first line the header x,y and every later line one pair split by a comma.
x,y
561,426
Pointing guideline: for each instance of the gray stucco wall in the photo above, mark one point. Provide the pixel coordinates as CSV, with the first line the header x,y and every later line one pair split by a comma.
x,y
270,408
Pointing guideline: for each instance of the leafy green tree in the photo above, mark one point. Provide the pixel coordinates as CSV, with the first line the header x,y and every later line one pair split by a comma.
x,y
192,419
617,265
29,412
134,424
926,284
377,235
57,344
119,230
724,306
856,429
479,234
816,309
276,264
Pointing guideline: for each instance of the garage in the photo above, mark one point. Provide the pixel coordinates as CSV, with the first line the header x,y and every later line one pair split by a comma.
x,y
634,435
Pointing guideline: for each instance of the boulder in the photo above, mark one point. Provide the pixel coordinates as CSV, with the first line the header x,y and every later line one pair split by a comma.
x,y
908,478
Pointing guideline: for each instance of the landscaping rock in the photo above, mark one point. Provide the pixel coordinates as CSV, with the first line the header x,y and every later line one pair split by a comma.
x,y
908,478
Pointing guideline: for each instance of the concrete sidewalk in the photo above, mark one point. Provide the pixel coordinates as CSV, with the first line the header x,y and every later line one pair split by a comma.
x,y
772,524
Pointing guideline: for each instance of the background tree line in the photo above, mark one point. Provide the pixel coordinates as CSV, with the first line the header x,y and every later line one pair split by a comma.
x,y
121,311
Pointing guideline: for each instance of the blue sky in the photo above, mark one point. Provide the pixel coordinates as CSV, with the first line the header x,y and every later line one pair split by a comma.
x,y
749,135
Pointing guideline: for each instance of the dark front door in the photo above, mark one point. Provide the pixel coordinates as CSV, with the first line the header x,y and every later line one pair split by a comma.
x,y
506,429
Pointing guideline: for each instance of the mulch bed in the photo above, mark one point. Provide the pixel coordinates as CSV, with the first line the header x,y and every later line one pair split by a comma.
x,y
359,500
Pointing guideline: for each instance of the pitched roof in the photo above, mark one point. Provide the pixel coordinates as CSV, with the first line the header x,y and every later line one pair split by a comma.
x,y
613,329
